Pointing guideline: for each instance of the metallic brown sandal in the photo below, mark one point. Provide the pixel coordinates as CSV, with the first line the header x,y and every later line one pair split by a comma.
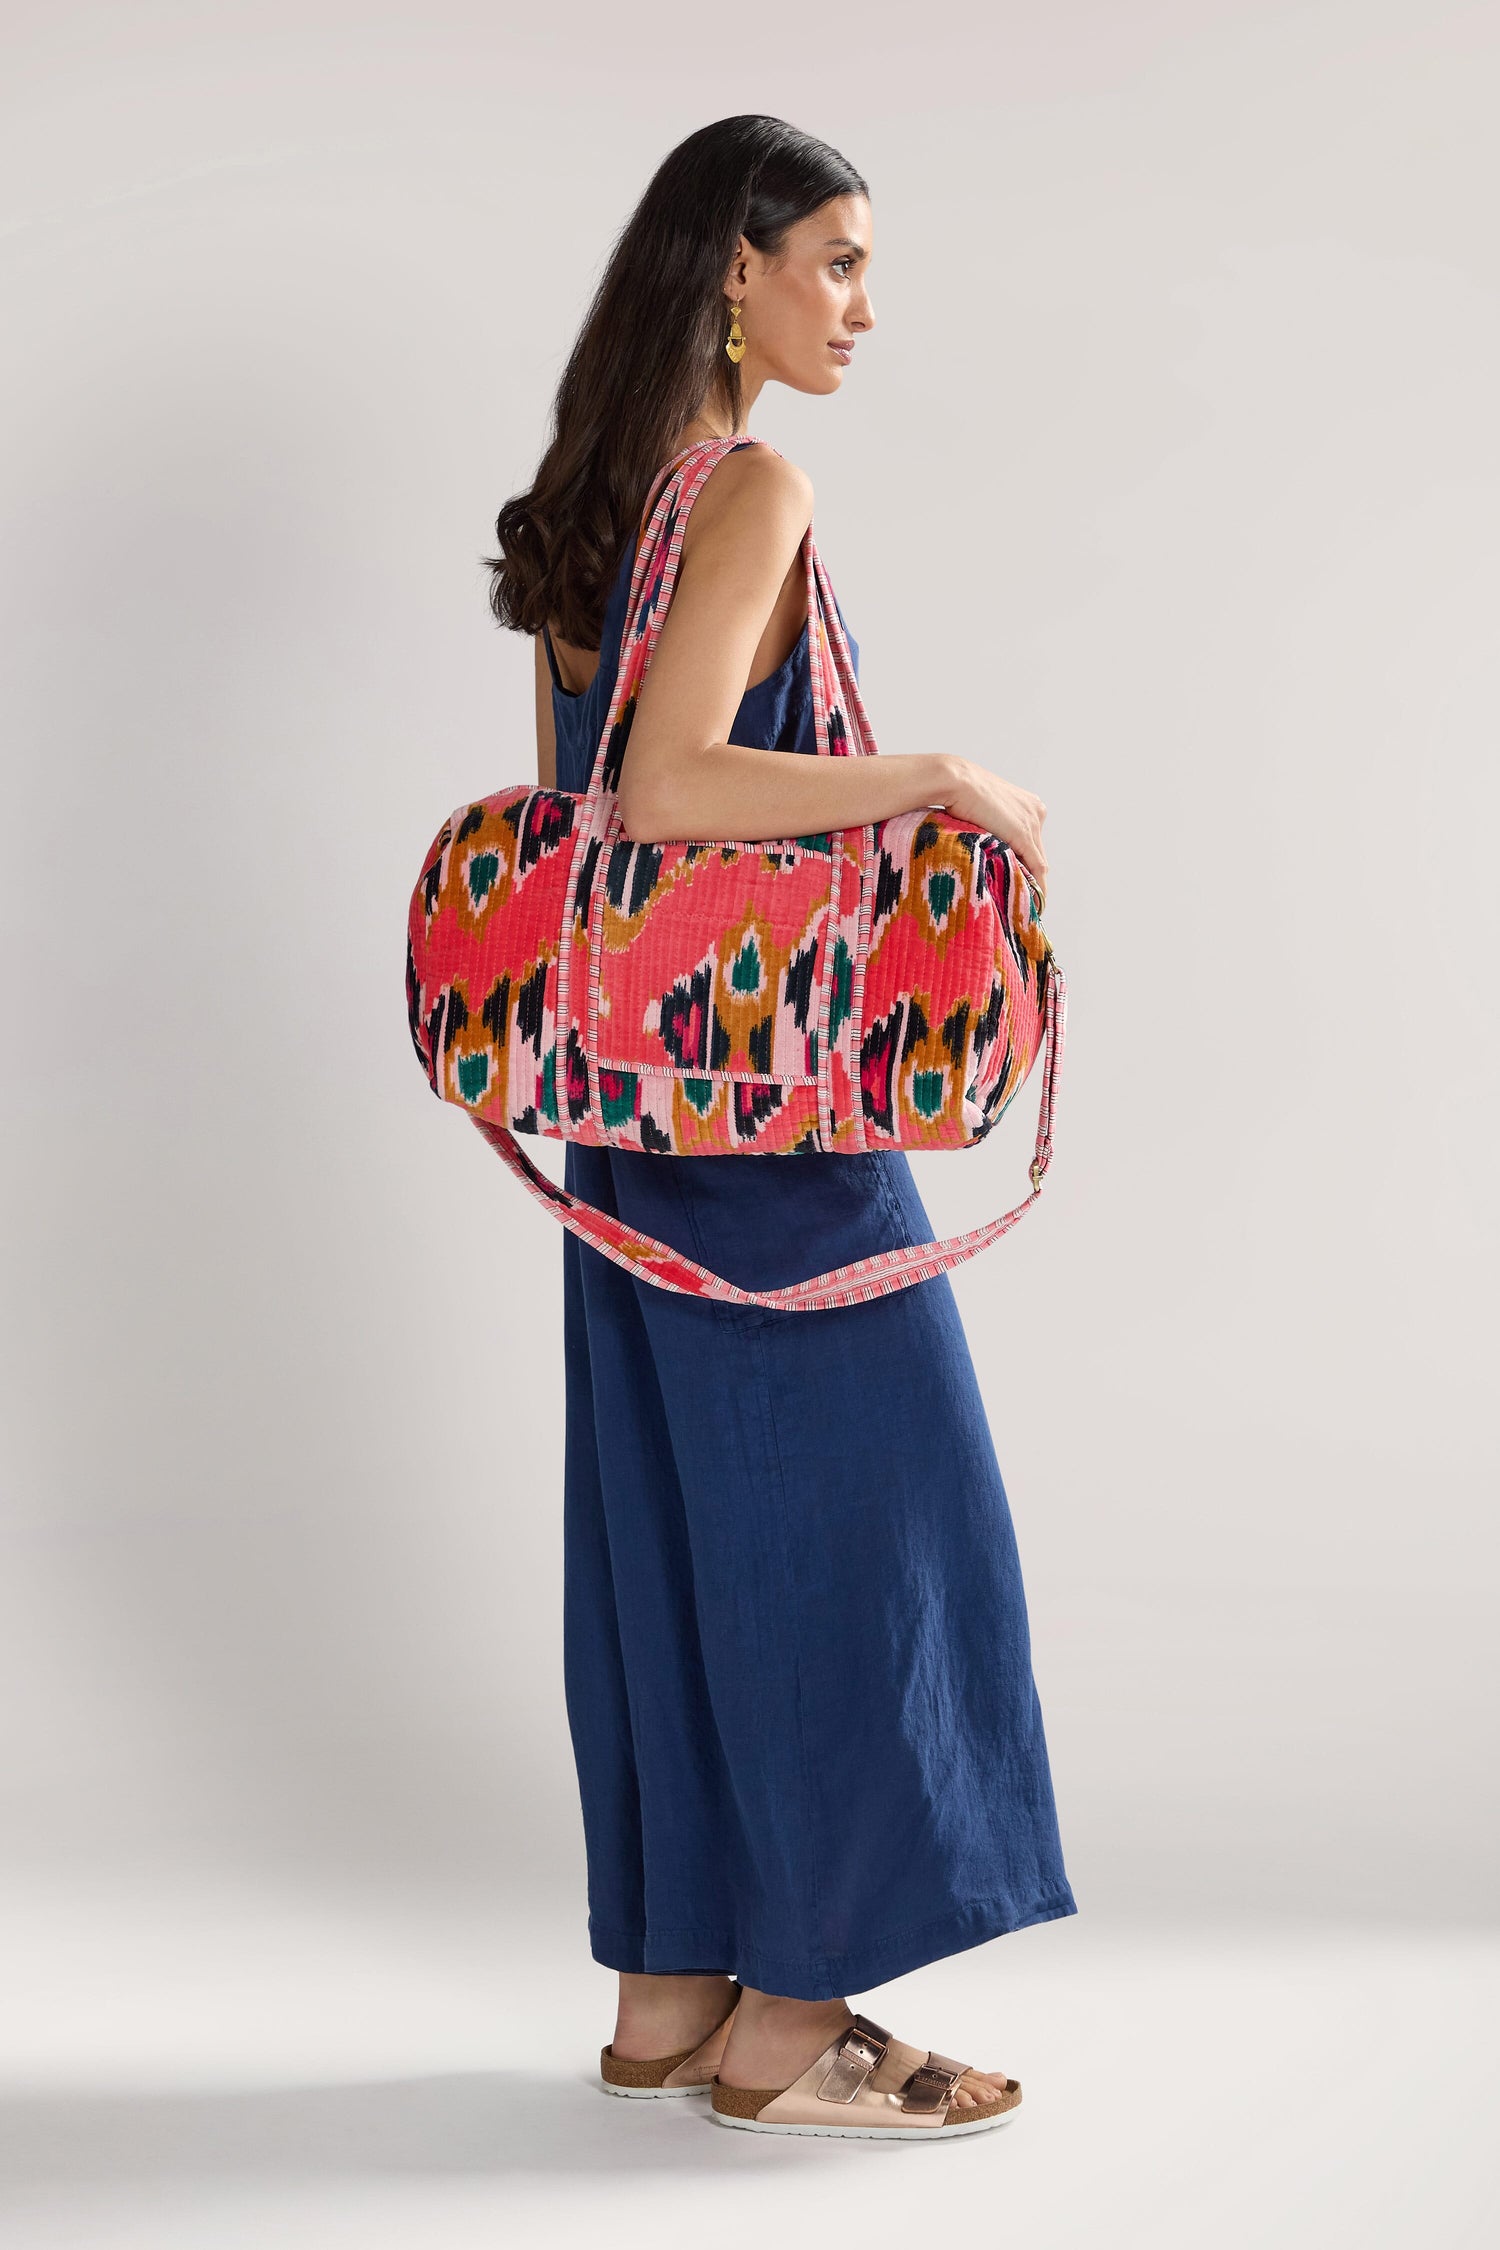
x,y
686,2073
866,2086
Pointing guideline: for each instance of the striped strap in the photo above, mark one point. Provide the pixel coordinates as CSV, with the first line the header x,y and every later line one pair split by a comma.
x,y
876,1276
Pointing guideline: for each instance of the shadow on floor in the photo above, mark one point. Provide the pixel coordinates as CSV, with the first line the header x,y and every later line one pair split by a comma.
x,y
476,2123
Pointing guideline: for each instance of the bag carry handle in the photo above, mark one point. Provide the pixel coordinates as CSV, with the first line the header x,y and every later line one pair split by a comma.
x,y
835,683
875,1276
841,726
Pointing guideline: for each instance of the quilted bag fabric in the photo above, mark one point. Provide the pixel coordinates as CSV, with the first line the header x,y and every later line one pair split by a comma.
x,y
869,988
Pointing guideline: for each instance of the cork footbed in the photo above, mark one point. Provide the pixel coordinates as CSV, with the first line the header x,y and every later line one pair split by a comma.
x,y
749,2101
616,2070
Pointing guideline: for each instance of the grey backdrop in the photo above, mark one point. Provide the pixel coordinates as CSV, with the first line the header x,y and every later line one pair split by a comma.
x,y
1166,485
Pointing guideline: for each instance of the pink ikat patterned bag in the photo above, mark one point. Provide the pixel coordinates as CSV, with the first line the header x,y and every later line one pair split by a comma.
x,y
885,987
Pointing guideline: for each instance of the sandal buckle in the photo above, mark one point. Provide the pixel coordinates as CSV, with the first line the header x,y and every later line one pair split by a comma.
x,y
860,2053
932,2084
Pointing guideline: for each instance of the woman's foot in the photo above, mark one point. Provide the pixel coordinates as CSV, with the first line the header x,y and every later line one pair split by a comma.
x,y
666,2015
773,2040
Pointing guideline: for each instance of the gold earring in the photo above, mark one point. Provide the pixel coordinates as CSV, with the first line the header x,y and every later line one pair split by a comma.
x,y
735,341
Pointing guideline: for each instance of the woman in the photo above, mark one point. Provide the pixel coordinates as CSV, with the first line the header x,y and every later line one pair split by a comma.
x,y
796,1650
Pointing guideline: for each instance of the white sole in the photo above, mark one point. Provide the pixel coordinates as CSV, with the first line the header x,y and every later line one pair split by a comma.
x,y
652,2093
903,2133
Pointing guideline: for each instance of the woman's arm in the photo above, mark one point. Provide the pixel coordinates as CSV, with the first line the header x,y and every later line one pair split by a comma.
x,y
546,732
682,778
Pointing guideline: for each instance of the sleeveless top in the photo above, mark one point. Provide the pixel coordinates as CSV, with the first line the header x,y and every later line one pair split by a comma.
x,y
775,714
762,1221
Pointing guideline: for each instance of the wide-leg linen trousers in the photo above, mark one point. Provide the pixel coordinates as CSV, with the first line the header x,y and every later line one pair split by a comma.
x,y
797,1656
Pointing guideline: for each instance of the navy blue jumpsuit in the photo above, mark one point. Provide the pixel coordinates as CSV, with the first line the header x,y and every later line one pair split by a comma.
x,y
796,1653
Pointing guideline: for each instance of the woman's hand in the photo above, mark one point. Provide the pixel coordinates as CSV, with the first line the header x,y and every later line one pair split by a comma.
x,y
1013,814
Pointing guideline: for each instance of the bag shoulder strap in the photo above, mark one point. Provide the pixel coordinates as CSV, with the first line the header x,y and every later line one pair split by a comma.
x,y
658,548
875,1276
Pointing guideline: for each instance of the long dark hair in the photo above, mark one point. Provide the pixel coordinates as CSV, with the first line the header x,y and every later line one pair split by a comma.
x,y
649,353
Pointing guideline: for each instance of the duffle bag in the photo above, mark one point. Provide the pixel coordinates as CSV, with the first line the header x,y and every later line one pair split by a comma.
x,y
884,987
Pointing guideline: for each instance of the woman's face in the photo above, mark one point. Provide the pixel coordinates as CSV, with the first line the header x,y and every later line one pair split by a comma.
x,y
816,297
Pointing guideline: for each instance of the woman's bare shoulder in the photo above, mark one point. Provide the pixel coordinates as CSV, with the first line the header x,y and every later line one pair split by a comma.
x,y
755,486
